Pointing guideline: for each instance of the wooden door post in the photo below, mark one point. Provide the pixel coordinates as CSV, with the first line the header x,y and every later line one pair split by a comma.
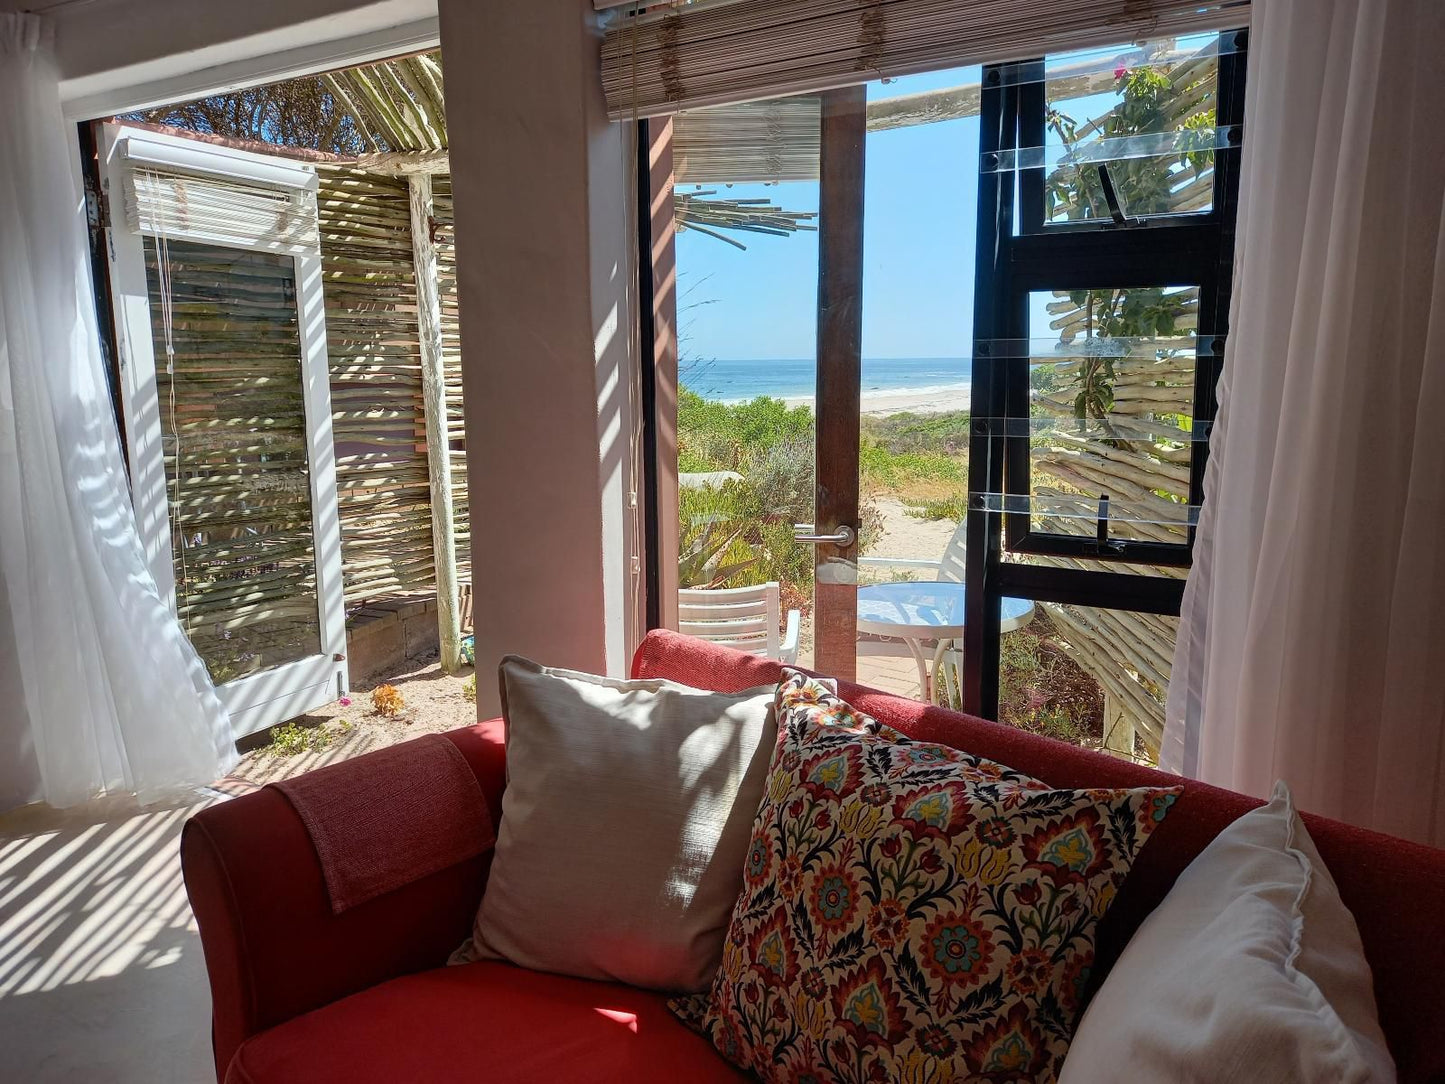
x,y
434,409
840,363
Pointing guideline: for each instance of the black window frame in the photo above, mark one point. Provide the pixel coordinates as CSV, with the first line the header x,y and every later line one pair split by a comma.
x,y
1019,254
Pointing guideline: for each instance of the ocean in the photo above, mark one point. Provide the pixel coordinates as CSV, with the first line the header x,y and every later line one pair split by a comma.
x,y
793,378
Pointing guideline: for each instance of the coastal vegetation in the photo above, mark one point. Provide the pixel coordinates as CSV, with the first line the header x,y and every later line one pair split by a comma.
x,y
740,530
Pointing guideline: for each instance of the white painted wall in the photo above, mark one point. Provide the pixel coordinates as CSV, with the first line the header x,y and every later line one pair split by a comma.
x,y
124,54
541,181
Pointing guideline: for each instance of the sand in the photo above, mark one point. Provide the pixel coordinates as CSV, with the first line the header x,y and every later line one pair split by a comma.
x,y
434,702
907,536
880,404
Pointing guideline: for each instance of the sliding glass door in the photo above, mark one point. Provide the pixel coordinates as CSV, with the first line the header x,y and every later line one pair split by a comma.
x,y
823,278
959,334
769,285
748,220
216,279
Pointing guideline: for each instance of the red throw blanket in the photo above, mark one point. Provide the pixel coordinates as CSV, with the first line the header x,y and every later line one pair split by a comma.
x,y
374,825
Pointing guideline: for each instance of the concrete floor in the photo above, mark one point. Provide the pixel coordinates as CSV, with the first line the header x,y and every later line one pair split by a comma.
x,y
101,973
101,976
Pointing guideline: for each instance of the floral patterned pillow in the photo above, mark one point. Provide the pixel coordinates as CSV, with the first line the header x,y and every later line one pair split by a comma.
x,y
911,912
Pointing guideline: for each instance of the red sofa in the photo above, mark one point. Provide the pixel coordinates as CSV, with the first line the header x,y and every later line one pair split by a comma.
x,y
300,994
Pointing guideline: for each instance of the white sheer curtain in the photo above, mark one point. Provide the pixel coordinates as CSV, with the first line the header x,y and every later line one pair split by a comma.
x,y
99,689
1312,645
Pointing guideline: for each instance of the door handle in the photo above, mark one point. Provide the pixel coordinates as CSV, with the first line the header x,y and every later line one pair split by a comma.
x,y
844,537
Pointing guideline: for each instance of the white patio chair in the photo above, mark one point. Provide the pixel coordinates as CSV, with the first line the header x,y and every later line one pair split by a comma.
x,y
950,566
742,617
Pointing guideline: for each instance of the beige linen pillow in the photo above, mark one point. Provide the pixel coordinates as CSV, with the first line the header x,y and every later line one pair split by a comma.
x,y
1250,969
624,825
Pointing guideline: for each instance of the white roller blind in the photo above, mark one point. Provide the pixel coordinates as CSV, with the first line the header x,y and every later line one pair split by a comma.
x,y
212,210
720,51
200,193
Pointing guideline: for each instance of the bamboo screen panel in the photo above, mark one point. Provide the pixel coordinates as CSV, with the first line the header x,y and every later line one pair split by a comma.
x,y
233,423
375,364
381,470
452,350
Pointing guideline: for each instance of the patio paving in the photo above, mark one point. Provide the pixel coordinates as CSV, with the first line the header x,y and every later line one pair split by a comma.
x,y
898,676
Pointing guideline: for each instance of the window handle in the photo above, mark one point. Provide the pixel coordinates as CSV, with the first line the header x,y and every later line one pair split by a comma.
x,y
844,537
1111,197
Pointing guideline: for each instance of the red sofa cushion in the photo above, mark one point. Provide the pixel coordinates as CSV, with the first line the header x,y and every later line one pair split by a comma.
x,y
484,1021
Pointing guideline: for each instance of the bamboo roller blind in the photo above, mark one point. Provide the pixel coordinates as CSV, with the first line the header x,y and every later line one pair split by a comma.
x,y
701,54
777,139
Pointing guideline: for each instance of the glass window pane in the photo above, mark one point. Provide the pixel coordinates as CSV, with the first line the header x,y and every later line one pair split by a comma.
x,y
1150,118
1090,676
920,205
233,423
1111,404
920,211
747,294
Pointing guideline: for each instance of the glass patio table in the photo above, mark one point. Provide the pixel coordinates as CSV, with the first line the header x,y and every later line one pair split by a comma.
x,y
924,611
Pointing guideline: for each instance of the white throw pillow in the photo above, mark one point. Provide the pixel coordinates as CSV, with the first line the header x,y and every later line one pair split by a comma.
x,y
625,825
1250,969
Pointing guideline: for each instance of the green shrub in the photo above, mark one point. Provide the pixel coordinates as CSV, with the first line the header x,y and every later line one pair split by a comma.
x,y
953,508
741,532
723,436
292,739
921,458
946,433
881,468
1042,690
712,550
730,536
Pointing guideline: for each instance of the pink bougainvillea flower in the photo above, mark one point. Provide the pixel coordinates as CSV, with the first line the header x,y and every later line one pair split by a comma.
x,y
345,701
1120,72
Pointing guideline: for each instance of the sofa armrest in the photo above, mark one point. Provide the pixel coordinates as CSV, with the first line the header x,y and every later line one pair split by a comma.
x,y
273,948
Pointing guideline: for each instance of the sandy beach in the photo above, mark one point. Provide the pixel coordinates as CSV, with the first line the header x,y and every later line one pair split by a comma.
x,y
908,537
904,400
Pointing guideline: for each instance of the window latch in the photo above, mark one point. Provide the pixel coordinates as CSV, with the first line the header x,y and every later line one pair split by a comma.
x,y
1111,198
1101,528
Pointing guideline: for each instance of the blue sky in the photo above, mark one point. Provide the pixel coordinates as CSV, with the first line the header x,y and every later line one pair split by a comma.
x,y
918,253
919,231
